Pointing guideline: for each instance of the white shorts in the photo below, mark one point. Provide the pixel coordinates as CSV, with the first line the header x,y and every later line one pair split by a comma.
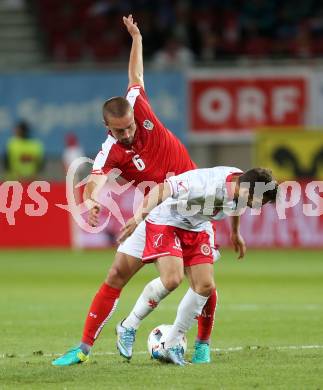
x,y
135,244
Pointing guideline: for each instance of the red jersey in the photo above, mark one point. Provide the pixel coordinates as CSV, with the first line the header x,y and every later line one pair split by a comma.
x,y
155,151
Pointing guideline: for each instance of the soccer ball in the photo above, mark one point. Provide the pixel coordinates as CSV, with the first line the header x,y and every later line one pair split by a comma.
x,y
157,338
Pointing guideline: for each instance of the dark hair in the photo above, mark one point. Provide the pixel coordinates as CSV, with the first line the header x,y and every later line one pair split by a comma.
x,y
117,107
260,175
24,130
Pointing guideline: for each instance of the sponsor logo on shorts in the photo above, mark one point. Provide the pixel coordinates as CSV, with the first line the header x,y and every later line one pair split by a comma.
x,y
148,125
177,243
205,250
158,240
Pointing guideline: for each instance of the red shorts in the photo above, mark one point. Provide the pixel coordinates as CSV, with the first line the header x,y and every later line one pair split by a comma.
x,y
163,240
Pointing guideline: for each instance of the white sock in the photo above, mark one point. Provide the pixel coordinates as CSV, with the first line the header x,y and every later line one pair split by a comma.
x,y
189,309
152,294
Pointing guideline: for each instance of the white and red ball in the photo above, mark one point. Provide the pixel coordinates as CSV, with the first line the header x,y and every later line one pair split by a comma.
x,y
158,336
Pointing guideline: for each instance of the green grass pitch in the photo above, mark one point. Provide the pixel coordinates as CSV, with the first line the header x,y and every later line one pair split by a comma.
x,y
268,332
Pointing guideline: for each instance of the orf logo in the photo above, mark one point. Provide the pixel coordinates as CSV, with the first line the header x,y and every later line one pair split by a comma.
x,y
205,250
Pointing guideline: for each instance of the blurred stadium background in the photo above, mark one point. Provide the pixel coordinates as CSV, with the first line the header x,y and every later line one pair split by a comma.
x,y
240,82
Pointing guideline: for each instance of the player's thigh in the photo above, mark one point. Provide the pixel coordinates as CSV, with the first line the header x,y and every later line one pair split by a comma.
x,y
171,271
128,258
122,270
198,259
201,278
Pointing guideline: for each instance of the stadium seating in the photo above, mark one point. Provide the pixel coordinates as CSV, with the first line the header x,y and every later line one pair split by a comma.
x,y
88,29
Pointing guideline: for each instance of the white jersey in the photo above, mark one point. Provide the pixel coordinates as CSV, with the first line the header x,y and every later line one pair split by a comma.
x,y
197,196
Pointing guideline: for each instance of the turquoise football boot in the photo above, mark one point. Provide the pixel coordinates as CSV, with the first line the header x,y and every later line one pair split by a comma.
x,y
175,355
125,340
201,353
73,356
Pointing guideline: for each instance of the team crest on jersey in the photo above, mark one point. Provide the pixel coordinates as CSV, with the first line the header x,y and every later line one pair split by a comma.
x,y
205,250
148,125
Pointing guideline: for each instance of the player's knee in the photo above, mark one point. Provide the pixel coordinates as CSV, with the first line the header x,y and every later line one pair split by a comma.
x,y
205,288
116,277
172,281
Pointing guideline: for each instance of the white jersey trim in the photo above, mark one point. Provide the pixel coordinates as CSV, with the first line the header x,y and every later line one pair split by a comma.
x,y
132,95
170,186
102,156
156,255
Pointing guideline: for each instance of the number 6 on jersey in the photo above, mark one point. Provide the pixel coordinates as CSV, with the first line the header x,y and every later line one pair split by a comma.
x,y
139,164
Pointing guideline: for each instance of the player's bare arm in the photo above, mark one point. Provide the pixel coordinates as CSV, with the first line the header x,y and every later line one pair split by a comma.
x,y
136,66
236,238
156,196
90,197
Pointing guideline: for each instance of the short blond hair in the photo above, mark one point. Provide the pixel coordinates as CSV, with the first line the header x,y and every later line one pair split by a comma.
x,y
117,107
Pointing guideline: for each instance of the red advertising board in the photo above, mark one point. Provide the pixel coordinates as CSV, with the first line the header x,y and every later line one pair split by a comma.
x,y
301,227
298,230
243,102
30,217
53,228
268,231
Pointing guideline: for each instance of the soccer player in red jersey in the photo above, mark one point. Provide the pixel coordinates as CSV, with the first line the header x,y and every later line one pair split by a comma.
x,y
140,146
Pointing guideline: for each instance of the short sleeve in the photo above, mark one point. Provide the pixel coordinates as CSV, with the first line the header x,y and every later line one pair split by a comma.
x,y
179,187
138,100
104,162
136,95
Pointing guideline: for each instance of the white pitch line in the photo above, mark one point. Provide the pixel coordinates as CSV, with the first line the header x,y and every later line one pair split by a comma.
x,y
256,307
218,350
277,307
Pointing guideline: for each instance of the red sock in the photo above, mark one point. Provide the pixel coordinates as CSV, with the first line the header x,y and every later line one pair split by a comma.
x,y
206,319
102,308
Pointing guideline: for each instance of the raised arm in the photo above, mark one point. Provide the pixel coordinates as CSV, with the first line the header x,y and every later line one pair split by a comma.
x,y
136,66
156,196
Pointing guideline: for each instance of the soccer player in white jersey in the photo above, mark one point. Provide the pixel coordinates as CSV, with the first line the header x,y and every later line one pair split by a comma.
x,y
176,215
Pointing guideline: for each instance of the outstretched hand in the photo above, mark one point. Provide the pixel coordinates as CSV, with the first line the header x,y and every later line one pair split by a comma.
x,y
131,25
238,244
